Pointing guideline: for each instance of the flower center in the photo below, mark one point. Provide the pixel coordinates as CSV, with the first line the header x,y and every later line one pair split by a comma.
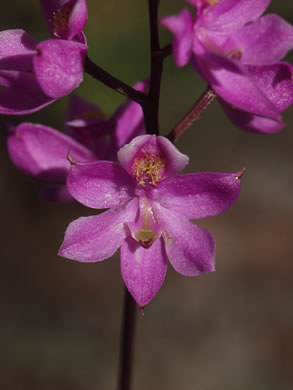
x,y
146,238
60,20
147,229
149,169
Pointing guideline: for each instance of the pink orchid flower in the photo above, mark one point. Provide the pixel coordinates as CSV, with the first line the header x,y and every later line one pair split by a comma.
x,y
41,151
34,74
232,46
149,211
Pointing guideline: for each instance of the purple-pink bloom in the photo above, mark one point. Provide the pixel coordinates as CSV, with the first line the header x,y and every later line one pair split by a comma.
x,y
34,74
41,151
149,211
224,41
275,82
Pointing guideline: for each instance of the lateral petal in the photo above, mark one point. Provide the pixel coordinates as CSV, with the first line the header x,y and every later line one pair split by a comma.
x,y
199,195
246,121
264,42
21,94
42,151
96,238
181,26
276,82
233,84
65,19
100,184
190,249
143,270
58,66
77,19
232,14
17,49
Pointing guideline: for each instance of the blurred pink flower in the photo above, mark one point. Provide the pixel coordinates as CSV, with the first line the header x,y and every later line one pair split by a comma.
x,y
232,46
41,151
34,74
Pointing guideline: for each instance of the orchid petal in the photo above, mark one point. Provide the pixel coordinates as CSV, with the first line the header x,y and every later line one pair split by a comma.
x,y
232,83
100,185
65,19
199,195
181,26
265,41
190,249
177,161
233,14
143,270
254,123
96,238
275,81
21,94
77,19
59,66
16,50
42,151
152,145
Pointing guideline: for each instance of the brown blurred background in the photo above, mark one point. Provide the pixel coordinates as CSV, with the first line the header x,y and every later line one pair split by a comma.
x,y
60,320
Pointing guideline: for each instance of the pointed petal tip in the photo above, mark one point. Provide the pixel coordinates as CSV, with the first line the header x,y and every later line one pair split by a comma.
x,y
241,172
71,159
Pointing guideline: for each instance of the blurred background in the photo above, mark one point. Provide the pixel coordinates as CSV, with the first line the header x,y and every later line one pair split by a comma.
x,y
60,320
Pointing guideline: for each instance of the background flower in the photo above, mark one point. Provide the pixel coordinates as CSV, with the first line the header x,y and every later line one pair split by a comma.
x,y
223,41
42,152
34,74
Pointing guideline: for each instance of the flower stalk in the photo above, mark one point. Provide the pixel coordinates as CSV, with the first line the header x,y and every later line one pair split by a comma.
x,y
151,109
193,114
112,82
127,341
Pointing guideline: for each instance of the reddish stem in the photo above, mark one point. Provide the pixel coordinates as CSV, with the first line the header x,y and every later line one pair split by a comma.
x,y
193,114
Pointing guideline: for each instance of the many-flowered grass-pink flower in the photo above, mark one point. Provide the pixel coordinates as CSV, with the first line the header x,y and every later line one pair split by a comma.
x,y
233,47
34,74
149,211
41,151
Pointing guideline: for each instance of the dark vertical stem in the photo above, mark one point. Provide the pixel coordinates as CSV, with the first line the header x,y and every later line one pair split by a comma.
x,y
151,108
127,342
